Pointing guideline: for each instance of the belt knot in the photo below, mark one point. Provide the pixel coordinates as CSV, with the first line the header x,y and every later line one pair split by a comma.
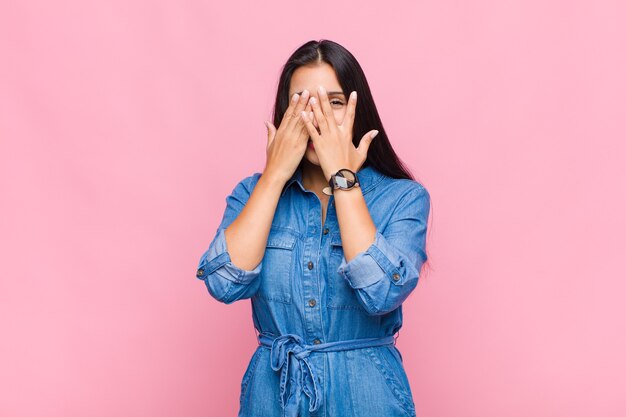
x,y
289,355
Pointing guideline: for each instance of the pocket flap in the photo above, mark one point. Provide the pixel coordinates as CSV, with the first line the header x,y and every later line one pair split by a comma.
x,y
335,239
282,238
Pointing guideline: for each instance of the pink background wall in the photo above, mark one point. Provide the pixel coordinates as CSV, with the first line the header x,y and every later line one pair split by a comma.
x,y
124,125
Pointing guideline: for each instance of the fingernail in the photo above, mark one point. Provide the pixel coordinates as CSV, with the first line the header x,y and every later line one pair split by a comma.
x,y
312,100
353,95
294,97
373,135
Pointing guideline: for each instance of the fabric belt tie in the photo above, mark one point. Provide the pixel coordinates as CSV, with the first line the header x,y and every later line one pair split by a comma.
x,y
297,370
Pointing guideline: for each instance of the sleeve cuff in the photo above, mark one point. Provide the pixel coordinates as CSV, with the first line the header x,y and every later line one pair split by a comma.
x,y
379,261
216,260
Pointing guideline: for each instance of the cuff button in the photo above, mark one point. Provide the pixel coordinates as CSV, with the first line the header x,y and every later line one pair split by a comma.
x,y
200,272
396,277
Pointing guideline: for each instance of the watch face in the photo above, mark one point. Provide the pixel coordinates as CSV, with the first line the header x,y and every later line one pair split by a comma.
x,y
345,178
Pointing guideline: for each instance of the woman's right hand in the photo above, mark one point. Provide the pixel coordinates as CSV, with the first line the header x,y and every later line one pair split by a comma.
x,y
287,145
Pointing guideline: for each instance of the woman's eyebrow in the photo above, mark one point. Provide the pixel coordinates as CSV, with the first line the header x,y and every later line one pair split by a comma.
x,y
330,93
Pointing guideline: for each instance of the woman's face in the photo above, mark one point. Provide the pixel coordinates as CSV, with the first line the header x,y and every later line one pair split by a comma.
x,y
310,77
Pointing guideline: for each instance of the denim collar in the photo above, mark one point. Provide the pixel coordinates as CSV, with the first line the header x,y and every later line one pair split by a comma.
x,y
368,178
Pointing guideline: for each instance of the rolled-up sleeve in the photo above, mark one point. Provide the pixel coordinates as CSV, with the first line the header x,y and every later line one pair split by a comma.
x,y
225,281
386,272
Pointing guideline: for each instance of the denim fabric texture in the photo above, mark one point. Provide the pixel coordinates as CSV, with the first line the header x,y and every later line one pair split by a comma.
x,y
326,327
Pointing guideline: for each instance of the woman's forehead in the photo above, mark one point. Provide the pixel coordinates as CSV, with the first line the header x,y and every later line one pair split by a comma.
x,y
310,78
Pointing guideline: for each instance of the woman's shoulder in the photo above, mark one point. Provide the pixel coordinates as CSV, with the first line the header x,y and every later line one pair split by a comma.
x,y
251,179
401,186
246,184
404,196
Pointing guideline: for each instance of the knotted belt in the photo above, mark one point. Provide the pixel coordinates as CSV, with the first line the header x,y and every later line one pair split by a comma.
x,y
297,370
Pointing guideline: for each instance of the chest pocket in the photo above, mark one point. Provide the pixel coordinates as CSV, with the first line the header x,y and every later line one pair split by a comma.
x,y
277,270
340,295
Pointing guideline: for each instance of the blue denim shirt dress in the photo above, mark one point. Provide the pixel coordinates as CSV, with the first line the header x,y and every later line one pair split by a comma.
x,y
326,327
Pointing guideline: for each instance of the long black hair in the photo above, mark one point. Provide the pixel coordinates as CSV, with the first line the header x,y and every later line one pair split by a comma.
x,y
351,77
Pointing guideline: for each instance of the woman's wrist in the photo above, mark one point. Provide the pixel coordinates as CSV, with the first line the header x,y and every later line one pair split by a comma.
x,y
273,179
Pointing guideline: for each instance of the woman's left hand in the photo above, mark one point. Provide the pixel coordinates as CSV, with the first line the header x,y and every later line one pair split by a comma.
x,y
334,147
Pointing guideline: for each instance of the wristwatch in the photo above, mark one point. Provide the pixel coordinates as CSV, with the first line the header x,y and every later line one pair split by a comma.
x,y
344,179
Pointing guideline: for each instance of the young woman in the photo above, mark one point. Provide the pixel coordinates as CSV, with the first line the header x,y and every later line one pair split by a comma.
x,y
326,243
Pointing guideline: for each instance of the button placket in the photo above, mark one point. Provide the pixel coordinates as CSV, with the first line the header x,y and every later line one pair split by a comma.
x,y
310,271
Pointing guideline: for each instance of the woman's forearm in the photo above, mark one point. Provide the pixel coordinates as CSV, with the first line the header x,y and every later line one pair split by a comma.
x,y
246,237
355,222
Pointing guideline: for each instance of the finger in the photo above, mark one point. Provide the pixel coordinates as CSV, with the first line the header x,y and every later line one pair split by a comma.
x,y
300,105
327,108
309,127
309,108
348,117
310,115
289,113
366,140
321,119
303,134
309,112
271,132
